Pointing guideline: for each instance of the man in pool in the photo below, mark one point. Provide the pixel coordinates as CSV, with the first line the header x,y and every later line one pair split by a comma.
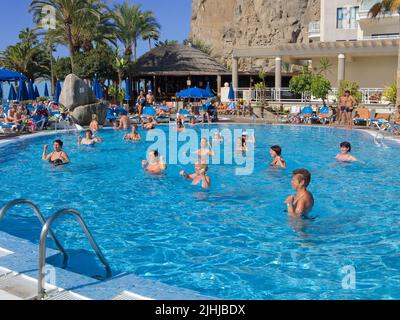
x,y
344,155
156,165
302,203
89,140
134,136
200,175
58,157
124,123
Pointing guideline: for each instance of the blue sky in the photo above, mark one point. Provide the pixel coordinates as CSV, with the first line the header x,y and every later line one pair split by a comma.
x,y
173,15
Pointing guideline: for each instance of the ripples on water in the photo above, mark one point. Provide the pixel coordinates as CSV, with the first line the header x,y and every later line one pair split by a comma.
x,y
234,241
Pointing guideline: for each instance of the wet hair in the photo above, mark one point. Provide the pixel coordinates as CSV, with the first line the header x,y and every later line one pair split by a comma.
x,y
155,152
347,91
346,145
59,142
303,175
277,149
89,131
94,116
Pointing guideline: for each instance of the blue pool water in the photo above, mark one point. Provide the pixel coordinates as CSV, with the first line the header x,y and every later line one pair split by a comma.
x,y
234,241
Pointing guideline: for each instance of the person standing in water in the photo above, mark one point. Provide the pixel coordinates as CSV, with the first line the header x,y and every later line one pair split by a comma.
x,y
89,140
58,157
134,136
156,165
345,155
94,125
302,203
200,175
276,152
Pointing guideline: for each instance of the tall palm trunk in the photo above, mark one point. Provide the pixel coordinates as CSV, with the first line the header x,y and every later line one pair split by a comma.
x,y
398,79
71,46
150,44
52,81
135,47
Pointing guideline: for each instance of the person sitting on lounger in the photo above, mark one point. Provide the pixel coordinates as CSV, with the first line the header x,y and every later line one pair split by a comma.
x,y
156,165
276,153
58,157
11,115
200,175
302,203
344,155
89,140
134,136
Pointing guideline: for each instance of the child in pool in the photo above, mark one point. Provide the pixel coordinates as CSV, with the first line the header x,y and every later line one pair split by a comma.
x,y
156,165
276,153
200,175
344,155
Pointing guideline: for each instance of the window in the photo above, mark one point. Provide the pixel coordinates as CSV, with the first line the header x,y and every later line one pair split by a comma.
x,y
347,18
339,19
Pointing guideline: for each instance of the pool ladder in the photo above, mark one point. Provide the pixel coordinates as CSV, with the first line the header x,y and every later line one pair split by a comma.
x,y
46,230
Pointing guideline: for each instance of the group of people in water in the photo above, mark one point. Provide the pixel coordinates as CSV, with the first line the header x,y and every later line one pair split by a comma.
x,y
298,205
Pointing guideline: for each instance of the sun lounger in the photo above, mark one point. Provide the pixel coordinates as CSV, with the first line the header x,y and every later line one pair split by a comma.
x,y
380,121
324,115
306,114
362,117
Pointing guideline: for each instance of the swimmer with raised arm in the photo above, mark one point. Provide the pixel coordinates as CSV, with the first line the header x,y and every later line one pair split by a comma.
x,y
277,161
89,140
58,157
302,203
344,155
156,165
200,175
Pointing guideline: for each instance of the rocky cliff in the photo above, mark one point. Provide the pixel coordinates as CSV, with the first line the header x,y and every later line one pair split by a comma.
x,y
240,23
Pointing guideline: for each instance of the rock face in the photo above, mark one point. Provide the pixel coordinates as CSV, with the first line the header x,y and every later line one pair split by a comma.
x,y
77,97
232,24
83,114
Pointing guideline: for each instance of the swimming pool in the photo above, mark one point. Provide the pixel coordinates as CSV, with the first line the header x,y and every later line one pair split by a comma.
x,y
234,241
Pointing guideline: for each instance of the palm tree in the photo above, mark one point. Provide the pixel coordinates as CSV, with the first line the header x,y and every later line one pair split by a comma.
x,y
130,24
66,12
151,34
381,8
27,56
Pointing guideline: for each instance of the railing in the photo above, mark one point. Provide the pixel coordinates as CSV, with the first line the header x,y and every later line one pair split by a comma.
x,y
369,95
380,37
42,247
42,220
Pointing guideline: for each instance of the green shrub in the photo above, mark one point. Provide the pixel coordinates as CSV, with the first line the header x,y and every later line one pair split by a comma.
x,y
390,93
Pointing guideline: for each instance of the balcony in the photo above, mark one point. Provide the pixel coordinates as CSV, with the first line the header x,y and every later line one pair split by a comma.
x,y
366,6
380,37
314,30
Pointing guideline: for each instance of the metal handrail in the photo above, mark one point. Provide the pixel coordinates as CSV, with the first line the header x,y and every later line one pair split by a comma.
x,y
42,246
42,220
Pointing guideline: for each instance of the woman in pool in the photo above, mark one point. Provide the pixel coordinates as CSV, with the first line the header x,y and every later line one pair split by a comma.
x,y
205,151
278,161
134,136
200,175
344,155
89,140
302,203
156,165
58,157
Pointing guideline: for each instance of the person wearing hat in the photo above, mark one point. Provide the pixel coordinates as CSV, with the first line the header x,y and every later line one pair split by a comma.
x,y
150,98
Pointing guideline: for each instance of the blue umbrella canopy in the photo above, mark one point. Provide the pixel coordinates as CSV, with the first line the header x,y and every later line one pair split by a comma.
x,y
183,112
95,87
208,90
231,95
37,94
46,90
12,95
149,111
31,90
195,93
127,90
22,94
8,75
57,92
100,91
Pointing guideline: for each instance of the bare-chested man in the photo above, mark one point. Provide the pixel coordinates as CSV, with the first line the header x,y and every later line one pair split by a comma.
x,y
124,123
345,109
